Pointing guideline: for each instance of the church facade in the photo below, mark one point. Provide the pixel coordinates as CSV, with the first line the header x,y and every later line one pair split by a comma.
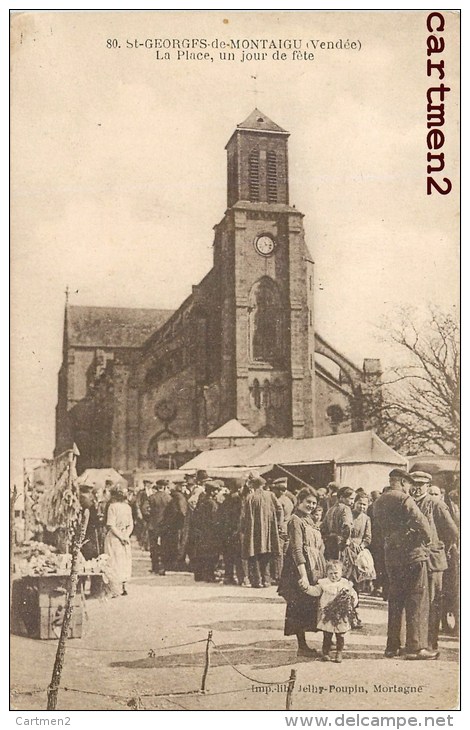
x,y
242,346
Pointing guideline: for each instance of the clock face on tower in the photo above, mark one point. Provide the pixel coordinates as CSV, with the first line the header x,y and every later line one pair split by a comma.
x,y
265,245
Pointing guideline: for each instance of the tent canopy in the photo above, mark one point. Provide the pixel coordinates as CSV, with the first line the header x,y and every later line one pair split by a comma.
x,y
346,448
98,477
235,456
435,464
231,429
362,447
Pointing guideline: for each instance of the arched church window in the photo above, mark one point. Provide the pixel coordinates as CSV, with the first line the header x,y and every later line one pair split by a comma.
x,y
266,323
156,460
271,176
253,175
256,393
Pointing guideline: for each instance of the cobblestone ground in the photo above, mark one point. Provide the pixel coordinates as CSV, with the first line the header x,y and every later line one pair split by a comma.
x,y
110,665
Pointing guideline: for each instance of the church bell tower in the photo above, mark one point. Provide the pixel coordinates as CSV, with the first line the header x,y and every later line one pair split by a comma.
x,y
265,275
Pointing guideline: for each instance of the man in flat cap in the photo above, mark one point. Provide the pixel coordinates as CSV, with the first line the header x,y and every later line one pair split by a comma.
x,y
405,533
279,489
175,528
260,529
444,534
142,513
158,503
337,525
205,541
228,517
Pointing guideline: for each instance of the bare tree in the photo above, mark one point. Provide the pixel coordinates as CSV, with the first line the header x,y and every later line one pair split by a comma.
x,y
418,407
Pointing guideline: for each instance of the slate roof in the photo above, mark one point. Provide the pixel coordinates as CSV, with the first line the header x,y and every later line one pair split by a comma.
x,y
260,122
113,326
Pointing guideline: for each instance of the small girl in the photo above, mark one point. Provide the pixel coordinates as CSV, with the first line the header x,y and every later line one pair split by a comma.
x,y
335,609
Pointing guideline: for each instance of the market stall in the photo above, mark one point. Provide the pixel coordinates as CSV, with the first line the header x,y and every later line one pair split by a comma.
x,y
231,462
41,581
49,574
359,459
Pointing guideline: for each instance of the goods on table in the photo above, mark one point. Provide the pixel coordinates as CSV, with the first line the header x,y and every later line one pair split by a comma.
x,y
37,558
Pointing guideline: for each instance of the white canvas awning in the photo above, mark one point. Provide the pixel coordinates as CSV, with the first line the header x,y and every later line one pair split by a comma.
x,y
361,458
234,456
98,477
361,447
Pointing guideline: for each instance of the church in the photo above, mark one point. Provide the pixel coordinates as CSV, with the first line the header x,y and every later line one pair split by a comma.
x,y
138,385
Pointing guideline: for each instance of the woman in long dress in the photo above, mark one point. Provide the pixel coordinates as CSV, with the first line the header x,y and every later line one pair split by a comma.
x,y
304,565
117,541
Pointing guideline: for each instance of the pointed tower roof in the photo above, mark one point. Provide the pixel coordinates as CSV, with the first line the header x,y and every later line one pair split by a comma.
x,y
259,122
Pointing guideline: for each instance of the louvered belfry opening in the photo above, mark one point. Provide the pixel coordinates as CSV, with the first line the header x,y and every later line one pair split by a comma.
x,y
253,175
271,176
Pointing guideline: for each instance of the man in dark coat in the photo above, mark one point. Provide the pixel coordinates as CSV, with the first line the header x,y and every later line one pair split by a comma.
x,y
261,516
377,550
444,533
279,489
175,529
451,577
337,525
142,512
158,503
405,533
228,517
90,548
205,542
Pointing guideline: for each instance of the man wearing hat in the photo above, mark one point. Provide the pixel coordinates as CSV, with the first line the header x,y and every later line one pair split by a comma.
x,y
197,488
175,530
279,489
337,525
260,529
228,518
205,543
405,534
158,503
444,533
142,512
90,547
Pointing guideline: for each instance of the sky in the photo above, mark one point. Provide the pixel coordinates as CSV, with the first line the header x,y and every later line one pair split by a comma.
x,y
119,172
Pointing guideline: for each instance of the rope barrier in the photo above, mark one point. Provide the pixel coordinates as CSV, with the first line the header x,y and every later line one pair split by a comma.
x,y
135,702
150,652
251,679
185,693
177,704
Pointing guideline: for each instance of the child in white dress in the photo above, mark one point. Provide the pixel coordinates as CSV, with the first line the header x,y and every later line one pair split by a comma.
x,y
335,609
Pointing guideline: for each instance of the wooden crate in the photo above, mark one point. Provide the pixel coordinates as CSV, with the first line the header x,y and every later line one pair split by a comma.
x,y
38,604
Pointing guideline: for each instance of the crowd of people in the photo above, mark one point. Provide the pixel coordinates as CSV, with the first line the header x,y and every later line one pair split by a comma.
x,y
322,547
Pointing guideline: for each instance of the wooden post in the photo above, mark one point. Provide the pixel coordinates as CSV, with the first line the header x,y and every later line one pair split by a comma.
x,y
208,661
135,703
77,540
290,689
